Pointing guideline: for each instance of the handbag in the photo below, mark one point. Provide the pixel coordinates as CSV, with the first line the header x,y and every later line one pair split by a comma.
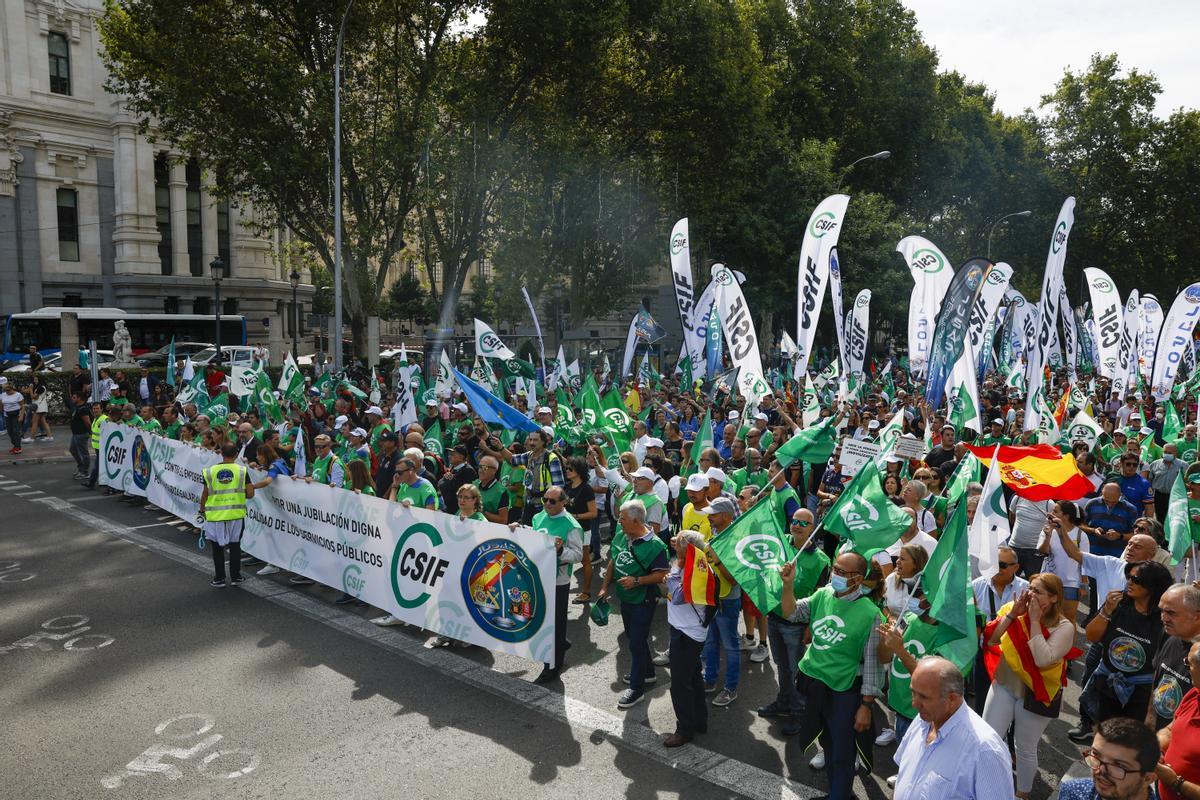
x,y
1051,709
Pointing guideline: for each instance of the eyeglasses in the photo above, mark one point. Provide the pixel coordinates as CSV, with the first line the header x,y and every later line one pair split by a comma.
x,y
551,500
1115,771
1006,564
843,573
486,466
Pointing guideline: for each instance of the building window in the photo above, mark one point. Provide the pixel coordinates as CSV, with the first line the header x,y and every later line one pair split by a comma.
x,y
195,234
60,63
485,270
171,305
68,225
230,306
202,305
435,273
162,211
72,301
223,235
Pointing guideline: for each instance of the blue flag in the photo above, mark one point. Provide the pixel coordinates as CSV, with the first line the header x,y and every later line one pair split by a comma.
x,y
492,409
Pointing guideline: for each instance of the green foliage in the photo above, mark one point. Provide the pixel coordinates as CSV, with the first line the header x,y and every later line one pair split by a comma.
x,y
408,299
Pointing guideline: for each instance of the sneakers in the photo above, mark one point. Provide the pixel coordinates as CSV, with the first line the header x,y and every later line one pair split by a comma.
x,y
629,698
661,659
724,698
269,569
387,621
891,782
439,641
709,688
760,654
344,599
818,761
300,580
748,643
771,710
238,580
791,727
886,736
217,584
651,680
1081,733
547,675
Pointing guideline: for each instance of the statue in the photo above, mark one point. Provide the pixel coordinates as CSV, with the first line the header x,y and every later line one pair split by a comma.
x,y
122,346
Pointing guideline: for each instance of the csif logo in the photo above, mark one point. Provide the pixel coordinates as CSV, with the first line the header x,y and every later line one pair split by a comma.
x,y
723,277
859,515
1060,237
678,242
114,453
298,562
353,582
862,301
490,343
995,277
828,631
928,261
759,552
1102,285
823,223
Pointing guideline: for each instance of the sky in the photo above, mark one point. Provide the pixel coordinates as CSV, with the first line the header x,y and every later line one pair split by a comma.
x,y
1020,48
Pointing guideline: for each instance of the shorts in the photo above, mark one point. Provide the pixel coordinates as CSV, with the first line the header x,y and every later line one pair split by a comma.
x,y
42,405
749,607
1072,593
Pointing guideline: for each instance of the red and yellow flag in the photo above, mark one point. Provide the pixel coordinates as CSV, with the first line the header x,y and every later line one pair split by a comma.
x,y
1039,472
1060,413
699,580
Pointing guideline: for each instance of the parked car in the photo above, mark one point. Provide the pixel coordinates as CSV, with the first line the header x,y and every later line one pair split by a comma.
x,y
239,355
158,358
53,363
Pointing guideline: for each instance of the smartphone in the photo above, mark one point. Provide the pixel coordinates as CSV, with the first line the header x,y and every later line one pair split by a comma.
x,y
902,623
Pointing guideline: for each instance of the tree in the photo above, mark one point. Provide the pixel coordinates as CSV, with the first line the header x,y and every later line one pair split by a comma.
x,y
408,299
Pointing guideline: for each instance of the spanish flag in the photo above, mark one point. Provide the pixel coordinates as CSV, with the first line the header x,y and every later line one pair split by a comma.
x,y
1060,413
699,580
1043,682
1039,472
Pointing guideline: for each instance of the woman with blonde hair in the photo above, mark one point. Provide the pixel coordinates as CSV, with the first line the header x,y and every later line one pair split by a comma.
x,y
1029,630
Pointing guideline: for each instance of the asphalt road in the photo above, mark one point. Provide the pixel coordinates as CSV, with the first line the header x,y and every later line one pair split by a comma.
x,y
126,675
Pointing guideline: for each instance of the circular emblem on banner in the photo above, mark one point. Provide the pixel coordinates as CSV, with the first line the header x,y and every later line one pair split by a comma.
x,y
140,460
759,552
1127,654
503,591
415,563
1102,285
723,277
114,453
1149,304
928,261
512,367
995,277
974,277
1192,294
862,300
1060,237
616,416
678,242
822,224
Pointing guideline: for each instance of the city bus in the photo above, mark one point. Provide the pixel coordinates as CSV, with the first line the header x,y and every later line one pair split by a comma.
x,y
42,329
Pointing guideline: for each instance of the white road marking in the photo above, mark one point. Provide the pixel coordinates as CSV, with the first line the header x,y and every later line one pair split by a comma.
x,y
745,780
30,494
5,483
150,525
17,486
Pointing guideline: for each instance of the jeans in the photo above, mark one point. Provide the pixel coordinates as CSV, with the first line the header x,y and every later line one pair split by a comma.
x,y
902,724
595,539
1091,660
830,715
235,560
787,645
687,686
637,618
13,426
562,601
79,451
94,475
723,635
1003,710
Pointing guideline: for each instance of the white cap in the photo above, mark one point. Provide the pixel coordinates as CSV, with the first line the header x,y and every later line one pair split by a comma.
x,y
546,429
873,425
761,417
997,421
652,441
3,380
376,410
544,410
716,474
697,482
894,459
644,472
359,432
340,421
1146,431
461,408
733,415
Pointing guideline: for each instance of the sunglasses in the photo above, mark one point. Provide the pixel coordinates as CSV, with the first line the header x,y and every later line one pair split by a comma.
x,y
802,523
1006,564
551,500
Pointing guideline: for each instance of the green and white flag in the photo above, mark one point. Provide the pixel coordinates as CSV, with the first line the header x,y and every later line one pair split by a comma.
x,y
990,526
264,397
171,364
947,581
444,382
966,473
218,409
1083,429
1047,426
888,436
865,516
704,438
963,413
488,344
574,378
482,374
292,380
829,375
1172,425
1178,525
812,406
753,549
433,440
563,415
814,445
196,391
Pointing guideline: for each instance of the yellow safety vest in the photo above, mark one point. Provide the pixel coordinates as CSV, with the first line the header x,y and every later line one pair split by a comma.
x,y
226,484
96,423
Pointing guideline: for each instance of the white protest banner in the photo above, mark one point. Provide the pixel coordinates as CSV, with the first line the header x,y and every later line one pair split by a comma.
x,y
1039,349
1107,315
909,446
738,327
856,453
474,581
242,380
680,251
1174,340
489,345
1126,357
1150,314
841,318
856,334
821,234
931,276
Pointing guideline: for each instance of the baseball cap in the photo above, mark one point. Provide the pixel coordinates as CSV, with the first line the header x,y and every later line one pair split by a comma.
x,y
387,436
998,421
461,408
644,472
1146,431
340,421
733,415
376,410
1194,477
697,482
462,450
716,474
761,417
873,425
3,380
544,410
546,429
654,442
722,505
359,432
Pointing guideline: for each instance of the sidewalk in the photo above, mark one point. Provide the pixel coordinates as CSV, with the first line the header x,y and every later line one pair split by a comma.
x,y
41,451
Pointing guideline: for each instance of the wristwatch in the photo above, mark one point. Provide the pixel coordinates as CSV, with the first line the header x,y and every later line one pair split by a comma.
x,y
1177,785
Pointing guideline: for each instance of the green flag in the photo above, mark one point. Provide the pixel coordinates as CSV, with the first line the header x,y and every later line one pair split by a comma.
x,y
171,364
686,381
564,415
813,444
291,381
352,389
196,391
217,409
516,368
433,440
264,396
704,438
1172,426
753,549
591,412
1178,525
947,581
865,516
325,385
962,410
616,418
965,473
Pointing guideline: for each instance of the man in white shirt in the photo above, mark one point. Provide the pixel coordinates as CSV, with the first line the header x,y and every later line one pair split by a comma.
x,y
949,751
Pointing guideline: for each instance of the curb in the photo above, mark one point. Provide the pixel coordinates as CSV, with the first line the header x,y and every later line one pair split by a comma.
x,y
37,460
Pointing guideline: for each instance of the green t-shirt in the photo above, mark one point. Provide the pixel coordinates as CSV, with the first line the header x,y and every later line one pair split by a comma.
x,y
172,430
743,477
634,560
493,496
419,493
840,629
1194,517
322,469
151,425
918,640
562,526
992,441
810,566
1188,451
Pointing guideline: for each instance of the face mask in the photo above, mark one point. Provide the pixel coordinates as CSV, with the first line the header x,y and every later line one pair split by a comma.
x,y
914,605
839,583
1168,457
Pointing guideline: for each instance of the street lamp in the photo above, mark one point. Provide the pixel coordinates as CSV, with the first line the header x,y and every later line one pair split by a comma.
x,y
997,222
294,279
880,156
337,190
218,272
